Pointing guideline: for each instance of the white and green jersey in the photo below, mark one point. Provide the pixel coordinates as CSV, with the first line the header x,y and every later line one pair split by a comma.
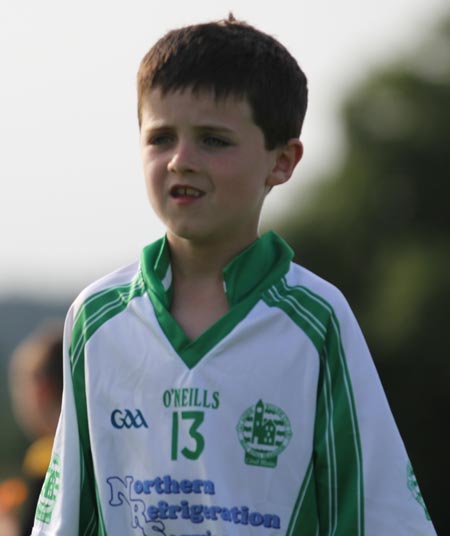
x,y
272,422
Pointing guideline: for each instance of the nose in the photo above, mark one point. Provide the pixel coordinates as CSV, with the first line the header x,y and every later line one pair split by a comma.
x,y
184,159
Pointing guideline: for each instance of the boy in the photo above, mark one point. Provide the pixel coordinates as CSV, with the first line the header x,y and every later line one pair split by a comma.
x,y
216,388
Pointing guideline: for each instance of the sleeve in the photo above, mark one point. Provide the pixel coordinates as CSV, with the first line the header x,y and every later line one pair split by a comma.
x,y
57,511
364,480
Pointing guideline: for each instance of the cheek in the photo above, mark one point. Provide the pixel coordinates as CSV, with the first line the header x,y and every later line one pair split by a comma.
x,y
245,181
234,174
151,186
152,172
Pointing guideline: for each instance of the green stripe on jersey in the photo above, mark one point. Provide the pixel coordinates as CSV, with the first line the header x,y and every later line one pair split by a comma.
x,y
337,468
94,312
304,518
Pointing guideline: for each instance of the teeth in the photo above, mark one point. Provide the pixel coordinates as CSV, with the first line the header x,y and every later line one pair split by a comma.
x,y
187,191
191,192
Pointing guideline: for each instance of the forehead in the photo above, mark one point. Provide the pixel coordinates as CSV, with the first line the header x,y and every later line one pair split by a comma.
x,y
198,106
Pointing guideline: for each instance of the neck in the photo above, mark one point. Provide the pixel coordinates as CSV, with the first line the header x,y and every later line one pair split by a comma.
x,y
192,261
198,298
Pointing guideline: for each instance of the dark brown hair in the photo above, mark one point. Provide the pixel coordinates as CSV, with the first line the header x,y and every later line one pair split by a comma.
x,y
231,58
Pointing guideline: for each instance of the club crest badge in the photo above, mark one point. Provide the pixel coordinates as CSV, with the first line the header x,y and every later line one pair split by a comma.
x,y
264,431
49,491
413,487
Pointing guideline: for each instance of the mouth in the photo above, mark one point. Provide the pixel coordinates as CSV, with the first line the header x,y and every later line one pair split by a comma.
x,y
186,191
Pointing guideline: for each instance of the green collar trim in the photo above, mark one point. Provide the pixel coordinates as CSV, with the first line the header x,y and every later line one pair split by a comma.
x,y
251,272
265,259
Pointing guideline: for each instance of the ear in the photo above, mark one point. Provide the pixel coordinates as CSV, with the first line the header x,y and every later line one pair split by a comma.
x,y
286,158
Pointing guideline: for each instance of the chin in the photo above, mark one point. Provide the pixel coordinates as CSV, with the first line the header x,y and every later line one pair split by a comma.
x,y
187,233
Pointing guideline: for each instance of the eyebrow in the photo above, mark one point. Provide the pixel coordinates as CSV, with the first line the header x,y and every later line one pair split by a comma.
x,y
219,128
201,127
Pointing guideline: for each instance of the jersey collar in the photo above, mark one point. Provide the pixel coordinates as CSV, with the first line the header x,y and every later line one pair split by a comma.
x,y
245,279
252,271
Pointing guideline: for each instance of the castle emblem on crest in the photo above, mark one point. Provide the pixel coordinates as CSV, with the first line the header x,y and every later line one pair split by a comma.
x,y
264,431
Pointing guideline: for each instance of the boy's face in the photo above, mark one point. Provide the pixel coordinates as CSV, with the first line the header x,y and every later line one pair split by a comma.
x,y
206,167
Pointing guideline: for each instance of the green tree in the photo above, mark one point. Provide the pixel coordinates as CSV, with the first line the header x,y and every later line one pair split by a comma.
x,y
379,228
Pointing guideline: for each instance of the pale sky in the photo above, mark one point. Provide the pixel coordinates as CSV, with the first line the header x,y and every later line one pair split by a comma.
x,y
73,205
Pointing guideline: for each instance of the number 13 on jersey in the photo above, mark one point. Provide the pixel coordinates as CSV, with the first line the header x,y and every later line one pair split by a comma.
x,y
189,421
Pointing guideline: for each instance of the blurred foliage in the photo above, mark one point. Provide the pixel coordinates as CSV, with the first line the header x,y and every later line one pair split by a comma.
x,y
379,228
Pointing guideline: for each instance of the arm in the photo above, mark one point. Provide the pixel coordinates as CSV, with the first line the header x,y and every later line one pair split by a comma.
x,y
58,506
359,453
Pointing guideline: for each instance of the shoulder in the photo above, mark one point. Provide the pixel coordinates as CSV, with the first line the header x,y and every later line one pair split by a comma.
x,y
300,276
315,306
316,293
108,287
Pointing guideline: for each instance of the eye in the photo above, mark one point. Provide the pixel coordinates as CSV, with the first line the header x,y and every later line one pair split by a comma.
x,y
215,141
160,139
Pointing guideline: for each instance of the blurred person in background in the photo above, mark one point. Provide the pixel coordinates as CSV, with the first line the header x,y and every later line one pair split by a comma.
x,y
36,390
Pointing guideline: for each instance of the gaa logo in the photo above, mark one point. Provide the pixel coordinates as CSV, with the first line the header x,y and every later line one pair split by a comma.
x,y
127,419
